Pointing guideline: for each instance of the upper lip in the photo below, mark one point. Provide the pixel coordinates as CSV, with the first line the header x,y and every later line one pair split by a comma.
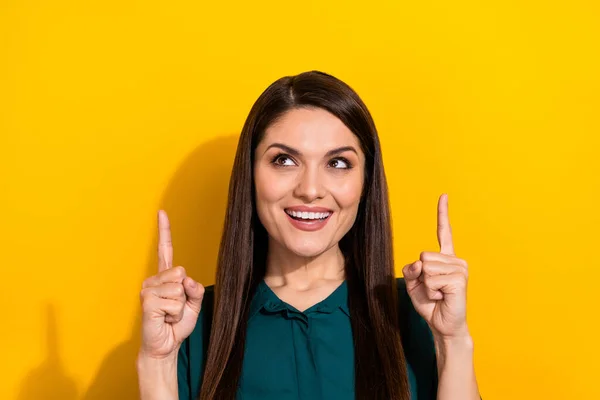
x,y
309,209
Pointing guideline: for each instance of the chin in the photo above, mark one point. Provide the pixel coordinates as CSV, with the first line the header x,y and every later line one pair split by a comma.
x,y
307,249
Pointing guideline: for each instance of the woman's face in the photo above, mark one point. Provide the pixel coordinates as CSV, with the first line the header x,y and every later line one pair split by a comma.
x,y
308,172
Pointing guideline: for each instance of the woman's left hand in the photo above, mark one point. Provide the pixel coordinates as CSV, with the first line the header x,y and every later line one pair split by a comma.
x,y
437,283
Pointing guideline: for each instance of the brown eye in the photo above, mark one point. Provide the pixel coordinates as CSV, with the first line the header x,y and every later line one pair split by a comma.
x,y
339,163
282,160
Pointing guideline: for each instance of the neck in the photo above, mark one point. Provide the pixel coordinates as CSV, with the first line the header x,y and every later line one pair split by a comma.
x,y
285,268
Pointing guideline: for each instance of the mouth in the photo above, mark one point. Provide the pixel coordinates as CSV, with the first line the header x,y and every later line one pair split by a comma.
x,y
308,216
308,221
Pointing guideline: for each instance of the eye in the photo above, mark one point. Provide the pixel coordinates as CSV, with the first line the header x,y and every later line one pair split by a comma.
x,y
340,163
282,160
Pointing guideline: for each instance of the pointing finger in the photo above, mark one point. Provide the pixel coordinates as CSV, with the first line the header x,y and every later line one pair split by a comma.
x,y
444,230
165,246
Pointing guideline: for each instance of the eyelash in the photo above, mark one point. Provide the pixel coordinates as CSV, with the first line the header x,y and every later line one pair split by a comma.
x,y
283,155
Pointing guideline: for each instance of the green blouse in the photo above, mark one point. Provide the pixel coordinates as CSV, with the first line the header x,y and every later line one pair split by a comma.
x,y
305,355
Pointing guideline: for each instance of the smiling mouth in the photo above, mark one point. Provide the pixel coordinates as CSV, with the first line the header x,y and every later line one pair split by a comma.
x,y
306,216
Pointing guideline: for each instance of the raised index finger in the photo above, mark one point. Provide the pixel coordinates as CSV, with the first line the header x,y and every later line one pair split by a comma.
x,y
165,246
444,231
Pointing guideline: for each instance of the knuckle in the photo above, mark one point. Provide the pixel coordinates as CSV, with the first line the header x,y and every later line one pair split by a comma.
x,y
428,256
179,290
148,282
426,280
176,307
461,282
178,315
144,293
427,268
147,305
179,272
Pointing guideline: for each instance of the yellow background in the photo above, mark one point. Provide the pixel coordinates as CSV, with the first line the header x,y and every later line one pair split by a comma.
x,y
110,110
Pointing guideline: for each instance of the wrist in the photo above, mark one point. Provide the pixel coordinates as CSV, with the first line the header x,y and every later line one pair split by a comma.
x,y
150,356
456,370
150,361
463,342
157,377
159,369
453,349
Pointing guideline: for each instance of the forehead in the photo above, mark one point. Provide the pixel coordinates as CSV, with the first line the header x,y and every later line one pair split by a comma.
x,y
310,129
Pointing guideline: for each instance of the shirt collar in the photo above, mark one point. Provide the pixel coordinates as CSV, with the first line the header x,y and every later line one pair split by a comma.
x,y
265,298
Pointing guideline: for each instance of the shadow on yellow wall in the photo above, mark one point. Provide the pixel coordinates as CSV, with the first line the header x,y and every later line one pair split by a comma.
x,y
195,200
49,380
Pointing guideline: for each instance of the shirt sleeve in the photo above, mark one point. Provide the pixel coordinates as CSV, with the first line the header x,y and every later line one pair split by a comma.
x,y
418,344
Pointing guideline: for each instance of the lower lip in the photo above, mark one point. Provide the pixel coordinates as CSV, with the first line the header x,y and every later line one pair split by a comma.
x,y
309,225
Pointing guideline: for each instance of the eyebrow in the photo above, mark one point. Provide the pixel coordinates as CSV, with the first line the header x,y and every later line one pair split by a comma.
x,y
297,153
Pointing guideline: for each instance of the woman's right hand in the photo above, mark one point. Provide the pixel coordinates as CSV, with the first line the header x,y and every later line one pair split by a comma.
x,y
171,301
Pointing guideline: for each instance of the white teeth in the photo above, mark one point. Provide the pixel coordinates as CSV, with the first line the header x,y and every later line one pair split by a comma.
x,y
308,215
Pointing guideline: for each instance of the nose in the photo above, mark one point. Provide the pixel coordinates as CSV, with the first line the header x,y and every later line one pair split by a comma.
x,y
309,186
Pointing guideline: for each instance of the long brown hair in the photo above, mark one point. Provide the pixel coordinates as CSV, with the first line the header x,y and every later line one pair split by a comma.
x,y
380,368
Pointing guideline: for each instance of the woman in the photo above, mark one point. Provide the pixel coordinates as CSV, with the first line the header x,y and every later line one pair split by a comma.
x,y
305,304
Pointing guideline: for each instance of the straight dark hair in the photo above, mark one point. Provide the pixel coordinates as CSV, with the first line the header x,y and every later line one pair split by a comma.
x,y
380,367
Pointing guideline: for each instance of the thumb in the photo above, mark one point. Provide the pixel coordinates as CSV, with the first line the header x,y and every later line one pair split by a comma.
x,y
194,293
411,273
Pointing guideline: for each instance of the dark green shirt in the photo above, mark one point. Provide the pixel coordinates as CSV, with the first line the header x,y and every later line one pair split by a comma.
x,y
306,355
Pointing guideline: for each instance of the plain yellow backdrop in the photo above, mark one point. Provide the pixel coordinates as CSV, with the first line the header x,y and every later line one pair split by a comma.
x,y
111,110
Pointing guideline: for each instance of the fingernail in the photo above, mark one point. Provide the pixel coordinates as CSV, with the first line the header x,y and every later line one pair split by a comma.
x,y
192,283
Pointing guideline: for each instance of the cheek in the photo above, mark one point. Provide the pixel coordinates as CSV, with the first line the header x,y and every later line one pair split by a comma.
x,y
347,195
269,189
